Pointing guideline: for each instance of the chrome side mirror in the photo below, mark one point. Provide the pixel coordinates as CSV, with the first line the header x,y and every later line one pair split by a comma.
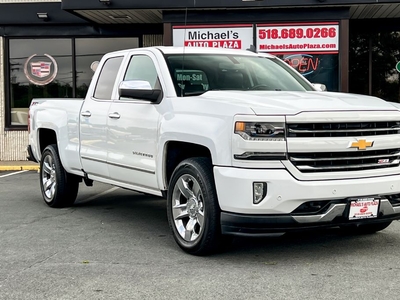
x,y
320,87
139,89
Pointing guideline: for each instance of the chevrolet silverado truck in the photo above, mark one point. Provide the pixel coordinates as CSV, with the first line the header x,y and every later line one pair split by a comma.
x,y
238,142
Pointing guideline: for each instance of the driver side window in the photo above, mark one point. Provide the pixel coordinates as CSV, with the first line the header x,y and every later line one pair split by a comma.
x,y
141,67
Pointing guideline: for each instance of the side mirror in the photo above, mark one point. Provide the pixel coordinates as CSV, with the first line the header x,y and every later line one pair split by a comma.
x,y
320,87
138,89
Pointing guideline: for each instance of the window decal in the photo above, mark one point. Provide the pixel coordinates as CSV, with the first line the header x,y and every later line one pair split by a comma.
x,y
40,72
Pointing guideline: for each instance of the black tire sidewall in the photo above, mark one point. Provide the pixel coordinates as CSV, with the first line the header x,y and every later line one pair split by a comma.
x,y
64,191
201,170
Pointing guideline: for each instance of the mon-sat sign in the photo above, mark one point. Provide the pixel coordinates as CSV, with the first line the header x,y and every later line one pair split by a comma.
x,y
214,36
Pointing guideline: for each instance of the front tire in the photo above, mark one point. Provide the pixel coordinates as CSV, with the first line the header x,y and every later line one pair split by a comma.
x,y
192,207
59,188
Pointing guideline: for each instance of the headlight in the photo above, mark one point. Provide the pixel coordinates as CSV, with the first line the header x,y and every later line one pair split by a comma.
x,y
261,131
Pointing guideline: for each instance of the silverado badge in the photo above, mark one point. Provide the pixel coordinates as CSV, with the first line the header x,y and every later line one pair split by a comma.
x,y
361,144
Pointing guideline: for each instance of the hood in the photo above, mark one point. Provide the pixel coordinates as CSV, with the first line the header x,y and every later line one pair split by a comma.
x,y
291,103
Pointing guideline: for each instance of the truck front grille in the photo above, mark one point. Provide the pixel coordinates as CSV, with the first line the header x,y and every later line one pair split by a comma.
x,y
345,161
343,129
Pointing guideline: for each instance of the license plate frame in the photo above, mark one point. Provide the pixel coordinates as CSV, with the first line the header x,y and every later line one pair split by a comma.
x,y
363,208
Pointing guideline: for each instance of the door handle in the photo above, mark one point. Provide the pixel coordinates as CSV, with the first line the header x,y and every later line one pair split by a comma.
x,y
86,114
114,115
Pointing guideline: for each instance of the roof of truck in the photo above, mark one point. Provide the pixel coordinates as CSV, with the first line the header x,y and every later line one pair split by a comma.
x,y
191,50
207,50
194,50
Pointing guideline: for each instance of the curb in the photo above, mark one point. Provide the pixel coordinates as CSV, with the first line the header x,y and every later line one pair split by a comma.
x,y
19,168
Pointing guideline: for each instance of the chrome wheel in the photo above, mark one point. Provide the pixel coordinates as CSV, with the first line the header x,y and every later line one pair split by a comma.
x,y
192,207
188,208
49,182
59,188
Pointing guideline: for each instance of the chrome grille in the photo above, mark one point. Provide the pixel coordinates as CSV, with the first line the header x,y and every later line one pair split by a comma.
x,y
343,129
345,161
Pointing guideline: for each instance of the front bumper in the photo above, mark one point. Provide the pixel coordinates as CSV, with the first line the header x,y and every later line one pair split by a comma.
x,y
285,193
288,200
335,215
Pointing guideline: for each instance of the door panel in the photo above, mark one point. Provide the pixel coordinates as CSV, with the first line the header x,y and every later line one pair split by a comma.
x,y
93,121
93,132
132,143
132,131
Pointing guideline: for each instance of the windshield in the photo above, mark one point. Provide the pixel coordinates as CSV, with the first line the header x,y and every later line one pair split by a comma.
x,y
195,74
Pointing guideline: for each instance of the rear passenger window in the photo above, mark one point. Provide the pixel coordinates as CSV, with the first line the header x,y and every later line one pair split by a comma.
x,y
108,74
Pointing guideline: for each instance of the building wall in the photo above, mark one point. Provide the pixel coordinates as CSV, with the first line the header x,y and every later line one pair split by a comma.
x,y
12,143
152,40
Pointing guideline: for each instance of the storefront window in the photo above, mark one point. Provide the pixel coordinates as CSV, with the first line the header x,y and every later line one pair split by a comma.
x,y
43,68
317,68
373,59
90,50
39,68
359,63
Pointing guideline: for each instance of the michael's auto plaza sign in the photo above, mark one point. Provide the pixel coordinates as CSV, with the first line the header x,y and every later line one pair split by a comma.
x,y
224,36
316,38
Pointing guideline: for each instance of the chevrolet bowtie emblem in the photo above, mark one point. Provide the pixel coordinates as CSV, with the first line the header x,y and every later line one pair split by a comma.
x,y
361,144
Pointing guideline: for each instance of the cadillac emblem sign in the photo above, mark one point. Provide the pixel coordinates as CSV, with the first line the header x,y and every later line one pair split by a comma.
x,y
40,72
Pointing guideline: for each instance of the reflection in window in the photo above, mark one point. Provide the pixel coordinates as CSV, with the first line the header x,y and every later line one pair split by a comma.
x,y
142,68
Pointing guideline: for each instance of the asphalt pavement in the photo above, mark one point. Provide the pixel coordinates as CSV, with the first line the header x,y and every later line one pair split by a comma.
x,y
116,244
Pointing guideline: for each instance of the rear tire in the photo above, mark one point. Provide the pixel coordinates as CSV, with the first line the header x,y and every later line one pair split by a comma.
x,y
59,188
365,228
192,207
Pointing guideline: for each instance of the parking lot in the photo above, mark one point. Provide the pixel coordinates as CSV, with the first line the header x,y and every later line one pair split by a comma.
x,y
116,244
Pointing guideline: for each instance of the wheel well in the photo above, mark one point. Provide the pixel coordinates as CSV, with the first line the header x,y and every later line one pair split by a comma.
x,y
179,151
46,137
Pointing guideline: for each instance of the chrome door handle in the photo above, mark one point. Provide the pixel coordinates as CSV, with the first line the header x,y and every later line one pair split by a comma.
x,y
114,115
86,114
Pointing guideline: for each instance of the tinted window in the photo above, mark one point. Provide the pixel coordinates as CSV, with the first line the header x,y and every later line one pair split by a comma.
x,y
108,74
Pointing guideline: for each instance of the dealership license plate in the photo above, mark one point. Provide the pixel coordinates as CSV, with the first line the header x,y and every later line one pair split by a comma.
x,y
363,208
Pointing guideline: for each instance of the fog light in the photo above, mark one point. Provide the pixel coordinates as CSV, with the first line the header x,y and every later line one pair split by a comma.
x,y
259,191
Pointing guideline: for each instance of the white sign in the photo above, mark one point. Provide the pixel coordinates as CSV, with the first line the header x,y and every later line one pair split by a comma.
x,y
307,37
225,36
363,208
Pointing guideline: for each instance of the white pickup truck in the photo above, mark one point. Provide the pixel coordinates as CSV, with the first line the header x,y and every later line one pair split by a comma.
x,y
238,142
